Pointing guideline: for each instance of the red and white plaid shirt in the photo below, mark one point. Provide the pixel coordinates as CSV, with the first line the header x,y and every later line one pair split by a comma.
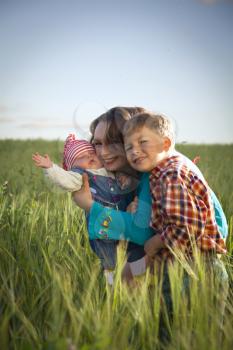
x,y
182,208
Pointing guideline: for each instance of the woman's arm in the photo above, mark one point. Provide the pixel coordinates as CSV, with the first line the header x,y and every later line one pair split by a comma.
x,y
219,215
113,224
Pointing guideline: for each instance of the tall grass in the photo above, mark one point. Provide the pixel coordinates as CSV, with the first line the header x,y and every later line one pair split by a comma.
x,y
52,294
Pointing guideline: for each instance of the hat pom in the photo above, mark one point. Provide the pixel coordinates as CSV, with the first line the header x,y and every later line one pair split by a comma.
x,y
70,138
67,145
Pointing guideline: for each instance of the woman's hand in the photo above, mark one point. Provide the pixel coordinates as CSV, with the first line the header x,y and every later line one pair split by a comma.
x,y
133,206
83,197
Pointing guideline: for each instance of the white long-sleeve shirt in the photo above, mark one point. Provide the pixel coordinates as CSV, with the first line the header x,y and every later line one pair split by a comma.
x,y
70,181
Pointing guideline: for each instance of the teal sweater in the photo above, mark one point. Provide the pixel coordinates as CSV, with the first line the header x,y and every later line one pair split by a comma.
x,y
113,224
107,222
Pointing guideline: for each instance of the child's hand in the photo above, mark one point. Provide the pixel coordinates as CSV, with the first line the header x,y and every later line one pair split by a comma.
x,y
153,245
132,207
149,247
196,159
42,162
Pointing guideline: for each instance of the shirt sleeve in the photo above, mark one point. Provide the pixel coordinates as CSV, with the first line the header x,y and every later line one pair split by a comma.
x,y
68,181
110,223
219,215
179,209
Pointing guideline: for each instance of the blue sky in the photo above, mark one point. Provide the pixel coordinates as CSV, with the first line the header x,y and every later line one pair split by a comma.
x,y
64,62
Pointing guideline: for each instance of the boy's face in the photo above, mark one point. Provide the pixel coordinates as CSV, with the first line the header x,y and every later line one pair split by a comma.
x,y
87,160
145,149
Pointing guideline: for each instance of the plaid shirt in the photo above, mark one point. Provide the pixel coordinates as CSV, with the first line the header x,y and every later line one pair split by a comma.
x,y
182,209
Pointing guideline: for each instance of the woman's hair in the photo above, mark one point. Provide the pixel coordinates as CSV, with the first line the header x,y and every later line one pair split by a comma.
x,y
115,118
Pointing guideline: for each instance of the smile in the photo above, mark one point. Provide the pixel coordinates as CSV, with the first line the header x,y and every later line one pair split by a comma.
x,y
139,160
109,160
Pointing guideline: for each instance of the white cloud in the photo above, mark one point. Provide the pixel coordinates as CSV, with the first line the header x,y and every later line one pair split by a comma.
x,y
57,128
43,124
3,109
6,119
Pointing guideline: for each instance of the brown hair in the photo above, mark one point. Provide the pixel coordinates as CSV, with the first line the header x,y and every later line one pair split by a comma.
x,y
159,123
115,118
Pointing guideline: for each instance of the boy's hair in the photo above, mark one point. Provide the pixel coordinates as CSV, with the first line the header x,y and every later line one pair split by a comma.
x,y
115,118
159,123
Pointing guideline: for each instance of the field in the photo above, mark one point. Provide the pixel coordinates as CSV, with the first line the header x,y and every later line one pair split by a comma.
x,y
52,295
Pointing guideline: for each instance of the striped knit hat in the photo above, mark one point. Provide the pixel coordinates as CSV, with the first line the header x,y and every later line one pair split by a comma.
x,y
73,148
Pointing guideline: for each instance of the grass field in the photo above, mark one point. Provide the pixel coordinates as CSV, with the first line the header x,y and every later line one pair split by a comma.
x,y
52,295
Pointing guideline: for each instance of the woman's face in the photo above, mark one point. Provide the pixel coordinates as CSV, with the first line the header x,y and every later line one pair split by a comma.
x,y
112,155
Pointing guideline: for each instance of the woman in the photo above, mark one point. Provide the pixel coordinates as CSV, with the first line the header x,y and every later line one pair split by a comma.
x,y
108,141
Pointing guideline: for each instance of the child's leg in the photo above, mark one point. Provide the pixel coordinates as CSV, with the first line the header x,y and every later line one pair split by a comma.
x,y
138,267
106,250
109,276
127,275
166,310
136,264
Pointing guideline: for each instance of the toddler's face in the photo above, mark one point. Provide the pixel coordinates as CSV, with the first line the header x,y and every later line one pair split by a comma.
x,y
87,160
145,149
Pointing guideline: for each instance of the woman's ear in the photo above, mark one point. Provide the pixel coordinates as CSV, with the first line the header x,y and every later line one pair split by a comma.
x,y
166,144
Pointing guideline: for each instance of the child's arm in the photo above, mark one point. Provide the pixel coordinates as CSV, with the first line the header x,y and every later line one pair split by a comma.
x,y
68,181
42,162
153,245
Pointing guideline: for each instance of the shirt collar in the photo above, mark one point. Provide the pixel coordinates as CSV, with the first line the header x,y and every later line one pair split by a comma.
x,y
164,164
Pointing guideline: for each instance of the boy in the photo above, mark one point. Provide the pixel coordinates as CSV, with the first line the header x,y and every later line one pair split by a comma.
x,y
181,200
182,203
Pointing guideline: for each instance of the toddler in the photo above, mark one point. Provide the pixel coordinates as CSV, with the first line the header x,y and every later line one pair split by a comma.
x,y
79,157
